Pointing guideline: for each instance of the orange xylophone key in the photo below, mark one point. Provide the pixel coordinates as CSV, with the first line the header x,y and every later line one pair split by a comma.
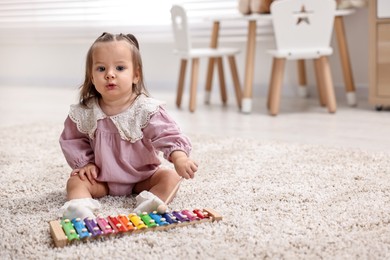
x,y
126,222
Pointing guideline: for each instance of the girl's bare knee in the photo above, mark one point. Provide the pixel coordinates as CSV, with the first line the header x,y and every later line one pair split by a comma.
x,y
77,187
76,182
169,177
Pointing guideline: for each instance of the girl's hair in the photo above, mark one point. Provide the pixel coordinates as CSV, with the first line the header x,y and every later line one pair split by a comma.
x,y
88,90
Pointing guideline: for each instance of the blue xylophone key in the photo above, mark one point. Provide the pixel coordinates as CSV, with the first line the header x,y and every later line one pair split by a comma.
x,y
171,219
81,230
158,218
92,227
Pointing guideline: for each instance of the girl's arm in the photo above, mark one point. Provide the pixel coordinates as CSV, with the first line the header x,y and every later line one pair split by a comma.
x,y
75,146
166,137
184,166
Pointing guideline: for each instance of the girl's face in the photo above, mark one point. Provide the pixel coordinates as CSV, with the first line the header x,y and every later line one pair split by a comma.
x,y
112,70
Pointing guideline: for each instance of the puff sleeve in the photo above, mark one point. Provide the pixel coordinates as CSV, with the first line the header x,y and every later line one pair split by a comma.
x,y
165,135
75,146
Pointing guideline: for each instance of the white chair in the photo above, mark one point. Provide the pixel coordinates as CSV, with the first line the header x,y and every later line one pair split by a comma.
x,y
184,49
303,30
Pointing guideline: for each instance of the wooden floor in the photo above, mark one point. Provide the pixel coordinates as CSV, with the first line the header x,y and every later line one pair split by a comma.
x,y
299,121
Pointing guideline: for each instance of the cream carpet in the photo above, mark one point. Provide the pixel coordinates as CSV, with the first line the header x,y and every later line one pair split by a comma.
x,y
279,201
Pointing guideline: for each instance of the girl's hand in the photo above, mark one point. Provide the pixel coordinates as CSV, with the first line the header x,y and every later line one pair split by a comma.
x,y
89,172
184,166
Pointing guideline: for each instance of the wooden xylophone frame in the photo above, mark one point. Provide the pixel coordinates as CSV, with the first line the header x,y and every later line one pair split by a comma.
x,y
61,239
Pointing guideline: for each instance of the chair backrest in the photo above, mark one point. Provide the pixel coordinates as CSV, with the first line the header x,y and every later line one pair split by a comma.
x,y
301,25
180,28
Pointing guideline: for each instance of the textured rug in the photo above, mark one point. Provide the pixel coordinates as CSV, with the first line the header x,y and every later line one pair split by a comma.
x,y
278,201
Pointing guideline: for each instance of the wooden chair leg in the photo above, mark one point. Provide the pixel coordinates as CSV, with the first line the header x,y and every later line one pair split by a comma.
x,y
236,80
328,84
180,86
222,82
209,79
274,91
194,83
320,80
301,73
302,81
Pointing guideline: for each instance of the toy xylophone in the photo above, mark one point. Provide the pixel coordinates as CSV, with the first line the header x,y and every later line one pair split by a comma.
x,y
65,231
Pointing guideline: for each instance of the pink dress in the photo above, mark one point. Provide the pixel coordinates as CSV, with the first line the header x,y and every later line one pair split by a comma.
x,y
124,147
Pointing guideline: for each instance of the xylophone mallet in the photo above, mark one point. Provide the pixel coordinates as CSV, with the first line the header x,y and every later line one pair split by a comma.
x,y
163,208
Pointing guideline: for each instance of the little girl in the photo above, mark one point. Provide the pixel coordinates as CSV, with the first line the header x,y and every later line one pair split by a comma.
x,y
111,139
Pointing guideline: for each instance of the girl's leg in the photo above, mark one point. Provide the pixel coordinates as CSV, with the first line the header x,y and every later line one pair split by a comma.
x,y
79,194
77,189
161,183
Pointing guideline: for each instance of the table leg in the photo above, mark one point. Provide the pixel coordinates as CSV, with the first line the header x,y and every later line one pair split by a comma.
x,y
249,68
345,60
194,83
210,67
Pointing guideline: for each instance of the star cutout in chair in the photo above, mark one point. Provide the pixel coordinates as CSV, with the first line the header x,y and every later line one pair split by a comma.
x,y
303,16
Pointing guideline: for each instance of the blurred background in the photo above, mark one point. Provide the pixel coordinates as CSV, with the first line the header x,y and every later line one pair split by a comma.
x,y
44,43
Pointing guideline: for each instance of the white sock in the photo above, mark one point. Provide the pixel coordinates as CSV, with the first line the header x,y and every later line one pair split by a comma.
x,y
80,208
148,202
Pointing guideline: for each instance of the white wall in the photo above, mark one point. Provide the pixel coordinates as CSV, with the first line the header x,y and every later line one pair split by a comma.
x,y
30,63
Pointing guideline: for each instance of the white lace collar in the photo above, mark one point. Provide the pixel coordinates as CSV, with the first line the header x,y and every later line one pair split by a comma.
x,y
129,123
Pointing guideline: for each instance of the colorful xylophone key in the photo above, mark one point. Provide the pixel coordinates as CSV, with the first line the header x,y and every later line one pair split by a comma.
x,y
80,228
180,217
190,215
200,213
148,220
70,231
126,222
104,226
171,219
116,224
158,219
137,221
92,227
65,231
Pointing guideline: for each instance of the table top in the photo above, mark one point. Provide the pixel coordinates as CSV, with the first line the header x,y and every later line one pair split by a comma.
x,y
263,17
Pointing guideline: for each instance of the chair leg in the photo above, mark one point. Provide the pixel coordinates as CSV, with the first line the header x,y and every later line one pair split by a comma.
x,y
302,88
320,80
328,84
275,85
222,82
209,80
194,83
236,80
180,86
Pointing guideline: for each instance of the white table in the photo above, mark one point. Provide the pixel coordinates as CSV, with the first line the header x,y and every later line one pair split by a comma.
x,y
250,52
